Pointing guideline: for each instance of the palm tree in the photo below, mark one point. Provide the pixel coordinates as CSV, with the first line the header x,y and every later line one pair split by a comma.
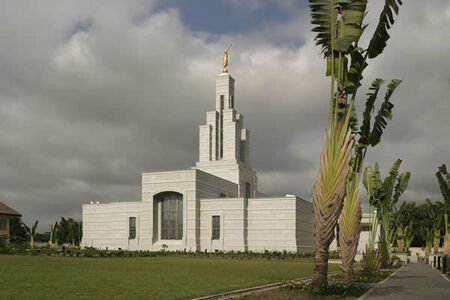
x,y
52,227
31,232
444,184
339,26
369,136
404,219
446,236
383,196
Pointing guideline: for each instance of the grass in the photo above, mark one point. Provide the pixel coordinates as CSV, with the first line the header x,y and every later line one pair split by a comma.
x,y
42,277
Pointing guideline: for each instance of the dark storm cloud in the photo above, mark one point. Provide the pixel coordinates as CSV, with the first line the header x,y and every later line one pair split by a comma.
x,y
93,94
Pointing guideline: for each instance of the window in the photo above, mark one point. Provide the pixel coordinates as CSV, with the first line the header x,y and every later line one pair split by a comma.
x,y
221,126
2,224
132,228
366,227
242,151
248,192
231,101
216,227
171,216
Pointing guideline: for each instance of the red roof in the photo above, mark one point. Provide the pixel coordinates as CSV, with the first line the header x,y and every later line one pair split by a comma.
x,y
6,210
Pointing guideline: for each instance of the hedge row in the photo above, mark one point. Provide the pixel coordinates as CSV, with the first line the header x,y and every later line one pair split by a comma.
x,y
93,252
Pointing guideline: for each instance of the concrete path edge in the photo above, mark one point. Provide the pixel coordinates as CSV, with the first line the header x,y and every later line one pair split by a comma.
x,y
363,296
260,288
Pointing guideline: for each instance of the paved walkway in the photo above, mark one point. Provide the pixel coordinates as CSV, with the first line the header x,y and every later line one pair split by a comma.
x,y
414,281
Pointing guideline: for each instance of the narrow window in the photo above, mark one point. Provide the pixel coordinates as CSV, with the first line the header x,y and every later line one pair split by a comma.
x,y
216,227
248,192
132,228
2,224
242,151
221,126
231,101
217,138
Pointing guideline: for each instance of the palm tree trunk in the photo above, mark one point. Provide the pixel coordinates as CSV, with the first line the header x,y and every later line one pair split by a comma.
x,y
383,248
350,228
328,195
320,266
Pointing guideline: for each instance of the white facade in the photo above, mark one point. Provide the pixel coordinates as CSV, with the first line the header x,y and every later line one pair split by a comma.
x,y
213,206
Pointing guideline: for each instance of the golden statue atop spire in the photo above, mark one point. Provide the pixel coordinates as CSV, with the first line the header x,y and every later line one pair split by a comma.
x,y
225,59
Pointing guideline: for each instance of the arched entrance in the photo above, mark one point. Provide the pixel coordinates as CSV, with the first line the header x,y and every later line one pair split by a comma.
x,y
170,210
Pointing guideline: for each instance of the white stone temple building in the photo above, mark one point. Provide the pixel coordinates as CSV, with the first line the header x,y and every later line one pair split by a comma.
x,y
215,205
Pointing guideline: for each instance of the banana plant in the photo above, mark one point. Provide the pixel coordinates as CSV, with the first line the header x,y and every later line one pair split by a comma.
x,y
446,236
444,184
404,223
369,262
31,232
368,136
383,195
52,226
409,235
428,234
435,213
339,25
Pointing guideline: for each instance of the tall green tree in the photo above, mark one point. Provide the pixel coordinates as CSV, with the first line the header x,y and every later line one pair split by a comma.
x,y
17,230
339,26
384,195
404,220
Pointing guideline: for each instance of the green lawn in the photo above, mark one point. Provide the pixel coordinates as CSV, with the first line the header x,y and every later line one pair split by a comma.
x,y
42,277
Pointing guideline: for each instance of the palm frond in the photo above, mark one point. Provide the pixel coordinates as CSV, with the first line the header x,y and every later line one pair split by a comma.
x,y
443,185
323,17
381,35
364,131
385,112
350,27
401,186
354,74
346,31
33,229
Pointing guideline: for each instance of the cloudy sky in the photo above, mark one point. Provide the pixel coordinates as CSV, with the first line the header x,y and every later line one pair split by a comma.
x,y
92,93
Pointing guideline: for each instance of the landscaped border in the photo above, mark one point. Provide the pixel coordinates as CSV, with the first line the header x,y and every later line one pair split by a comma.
x,y
379,283
261,288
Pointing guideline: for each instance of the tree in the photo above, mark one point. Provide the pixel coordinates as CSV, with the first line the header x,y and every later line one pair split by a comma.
x,y
368,135
435,213
53,229
446,236
339,26
404,219
17,229
31,232
67,231
370,256
383,196
444,184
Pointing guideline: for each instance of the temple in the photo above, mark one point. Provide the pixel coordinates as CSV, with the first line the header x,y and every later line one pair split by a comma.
x,y
215,205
